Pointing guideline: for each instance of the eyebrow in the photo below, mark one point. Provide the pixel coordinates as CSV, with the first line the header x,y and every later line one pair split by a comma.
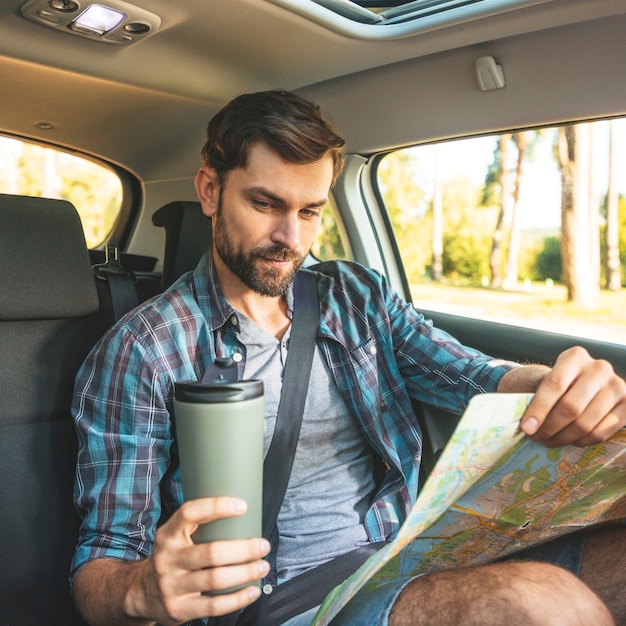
x,y
258,190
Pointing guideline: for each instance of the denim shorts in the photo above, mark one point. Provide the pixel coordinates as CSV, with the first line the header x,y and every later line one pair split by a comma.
x,y
374,605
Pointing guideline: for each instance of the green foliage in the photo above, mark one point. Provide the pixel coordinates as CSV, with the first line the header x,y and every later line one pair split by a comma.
x,y
328,244
465,260
409,210
547,264
468,227
468,233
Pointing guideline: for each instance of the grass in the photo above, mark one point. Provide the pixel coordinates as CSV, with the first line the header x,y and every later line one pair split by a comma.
x,y
535,305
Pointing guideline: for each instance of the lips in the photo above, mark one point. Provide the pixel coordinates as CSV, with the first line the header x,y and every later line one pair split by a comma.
x,y
285,257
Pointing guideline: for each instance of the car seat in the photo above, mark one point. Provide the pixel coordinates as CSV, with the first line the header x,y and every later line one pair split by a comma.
x,y
49,320
187,237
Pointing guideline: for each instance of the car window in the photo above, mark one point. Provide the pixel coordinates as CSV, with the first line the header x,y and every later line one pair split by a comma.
x,y
34,170
526,228
331,242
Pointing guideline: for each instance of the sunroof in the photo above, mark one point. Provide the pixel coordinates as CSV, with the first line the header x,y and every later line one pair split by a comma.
x,y
391,11
395,19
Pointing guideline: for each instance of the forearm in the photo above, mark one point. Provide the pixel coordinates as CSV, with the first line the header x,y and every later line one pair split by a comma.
x,y
110,591
523,379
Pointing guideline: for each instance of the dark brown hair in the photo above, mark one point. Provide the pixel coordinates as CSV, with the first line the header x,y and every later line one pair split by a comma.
x,y
288,124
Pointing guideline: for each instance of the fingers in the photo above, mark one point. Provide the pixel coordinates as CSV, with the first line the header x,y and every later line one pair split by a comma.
x,y
201,511
181,579
175,547
222,553
183,609
218,579
181,571
581,401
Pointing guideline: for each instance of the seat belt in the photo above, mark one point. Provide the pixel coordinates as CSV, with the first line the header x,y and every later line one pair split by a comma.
x,y
306,591
120,282
279,459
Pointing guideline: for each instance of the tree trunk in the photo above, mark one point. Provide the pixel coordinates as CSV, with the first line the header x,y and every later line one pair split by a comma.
x,y
495,259
576,230
613,265
437,243
512,257
593,210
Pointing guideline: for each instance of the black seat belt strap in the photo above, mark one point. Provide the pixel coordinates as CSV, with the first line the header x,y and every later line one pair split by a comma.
x,y
279,459
305,591
120,282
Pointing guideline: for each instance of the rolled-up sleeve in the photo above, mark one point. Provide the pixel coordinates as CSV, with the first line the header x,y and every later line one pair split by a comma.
x,y
124,440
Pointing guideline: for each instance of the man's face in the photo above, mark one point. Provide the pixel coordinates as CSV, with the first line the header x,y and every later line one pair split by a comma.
x,y
268,214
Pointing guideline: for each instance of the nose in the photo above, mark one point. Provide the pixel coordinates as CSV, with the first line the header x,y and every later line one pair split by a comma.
x,y
287,232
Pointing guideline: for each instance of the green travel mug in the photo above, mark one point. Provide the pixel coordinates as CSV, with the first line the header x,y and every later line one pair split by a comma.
x,y
219,431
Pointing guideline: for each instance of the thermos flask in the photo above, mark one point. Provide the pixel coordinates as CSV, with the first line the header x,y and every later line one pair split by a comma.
x,y
219,431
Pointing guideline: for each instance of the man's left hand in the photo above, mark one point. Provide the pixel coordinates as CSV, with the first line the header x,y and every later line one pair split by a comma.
x,y
580,401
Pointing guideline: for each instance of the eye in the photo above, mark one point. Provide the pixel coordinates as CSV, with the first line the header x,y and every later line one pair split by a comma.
x,y
262,204
310,213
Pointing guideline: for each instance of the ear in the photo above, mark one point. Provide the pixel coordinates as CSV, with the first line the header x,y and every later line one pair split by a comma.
x,y
208,190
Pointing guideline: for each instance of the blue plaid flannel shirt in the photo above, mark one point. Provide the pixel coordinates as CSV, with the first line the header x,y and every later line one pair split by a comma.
x,y
381,352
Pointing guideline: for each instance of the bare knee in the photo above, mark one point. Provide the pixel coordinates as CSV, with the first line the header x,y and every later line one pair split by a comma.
x,y
516,593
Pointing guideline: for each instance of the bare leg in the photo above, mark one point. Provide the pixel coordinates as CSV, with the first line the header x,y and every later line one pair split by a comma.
x,y
603,569
515,593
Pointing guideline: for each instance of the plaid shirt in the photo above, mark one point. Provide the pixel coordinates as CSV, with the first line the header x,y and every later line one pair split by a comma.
x,y
380,351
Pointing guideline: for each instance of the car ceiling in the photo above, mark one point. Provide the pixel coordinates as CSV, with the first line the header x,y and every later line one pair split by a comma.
x,y
145,106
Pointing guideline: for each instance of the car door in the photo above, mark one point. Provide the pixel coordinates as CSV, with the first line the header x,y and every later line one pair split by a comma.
x,y
472,232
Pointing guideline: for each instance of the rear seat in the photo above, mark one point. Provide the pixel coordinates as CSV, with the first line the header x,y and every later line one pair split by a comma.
x,y
51,314
187,236
49,319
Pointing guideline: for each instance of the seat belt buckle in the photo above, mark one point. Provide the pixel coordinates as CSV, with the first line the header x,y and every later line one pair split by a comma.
x,y
112,264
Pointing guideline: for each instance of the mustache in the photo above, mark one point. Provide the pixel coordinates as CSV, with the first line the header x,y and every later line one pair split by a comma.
x,y
276,253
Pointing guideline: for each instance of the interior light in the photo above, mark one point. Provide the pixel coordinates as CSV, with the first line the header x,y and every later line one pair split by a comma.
x,y
106,21
97,19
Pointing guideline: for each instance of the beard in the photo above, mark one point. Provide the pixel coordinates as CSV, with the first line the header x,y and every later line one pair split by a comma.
x,y
250,266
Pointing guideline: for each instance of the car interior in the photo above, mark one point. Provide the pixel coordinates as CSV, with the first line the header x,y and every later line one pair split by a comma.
x,y
131,86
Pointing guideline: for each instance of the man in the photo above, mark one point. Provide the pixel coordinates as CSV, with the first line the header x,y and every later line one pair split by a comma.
x,y
269,163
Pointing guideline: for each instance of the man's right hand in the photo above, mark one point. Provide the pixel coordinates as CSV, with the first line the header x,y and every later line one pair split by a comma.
x,y
167,587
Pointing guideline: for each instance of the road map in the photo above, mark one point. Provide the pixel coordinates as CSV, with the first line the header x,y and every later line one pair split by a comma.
x,y
493,492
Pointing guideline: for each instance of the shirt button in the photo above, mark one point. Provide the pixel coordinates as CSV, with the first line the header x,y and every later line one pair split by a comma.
x,y
373,350
267,589
233,320
237,357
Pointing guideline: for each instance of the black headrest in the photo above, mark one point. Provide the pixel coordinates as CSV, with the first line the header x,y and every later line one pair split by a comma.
x,y
187,236
45,272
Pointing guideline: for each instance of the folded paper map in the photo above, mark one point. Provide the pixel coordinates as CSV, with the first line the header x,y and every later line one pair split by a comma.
x,y
493,492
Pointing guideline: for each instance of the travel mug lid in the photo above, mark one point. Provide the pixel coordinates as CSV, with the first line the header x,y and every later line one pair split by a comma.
x,y
212,393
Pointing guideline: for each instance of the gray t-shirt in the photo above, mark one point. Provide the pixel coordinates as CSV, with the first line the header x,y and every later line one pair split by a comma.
x,y
331,484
